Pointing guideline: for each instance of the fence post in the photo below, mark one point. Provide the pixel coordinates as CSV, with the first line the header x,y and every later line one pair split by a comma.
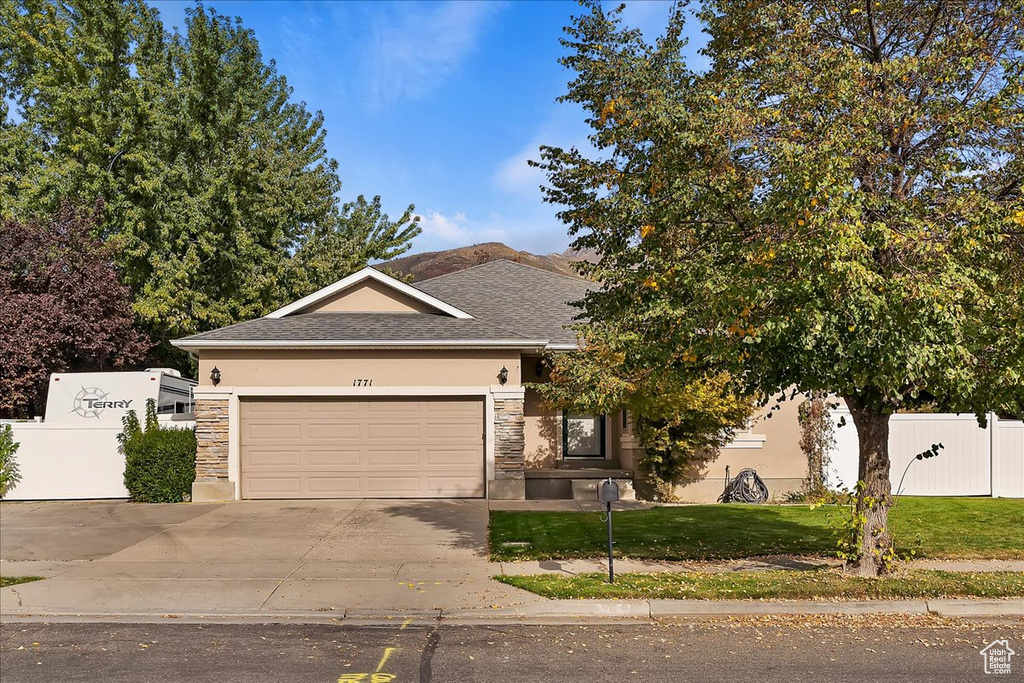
x,y
995,469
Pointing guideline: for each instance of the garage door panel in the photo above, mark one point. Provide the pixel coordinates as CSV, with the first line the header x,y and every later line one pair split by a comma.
x,y
259,485
453,431
392,406
394,430
322,409
271,409
467,408
452,458
333,458
393,486
332,431
323,485
275,458
349,448
392,457
256,432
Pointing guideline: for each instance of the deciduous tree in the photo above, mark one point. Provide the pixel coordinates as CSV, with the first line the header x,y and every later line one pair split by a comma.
x,y
62,307
219,195
834,205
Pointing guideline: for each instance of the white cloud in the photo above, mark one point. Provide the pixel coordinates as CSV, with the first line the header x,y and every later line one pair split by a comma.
x,y
458,230
412,47
515,173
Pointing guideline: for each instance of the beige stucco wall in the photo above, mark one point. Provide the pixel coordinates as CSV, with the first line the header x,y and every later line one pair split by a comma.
x,y
340,368
543,432
543,429
370,296
779,462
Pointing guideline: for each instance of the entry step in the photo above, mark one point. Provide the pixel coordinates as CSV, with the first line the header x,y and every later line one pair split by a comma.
x,y
586,489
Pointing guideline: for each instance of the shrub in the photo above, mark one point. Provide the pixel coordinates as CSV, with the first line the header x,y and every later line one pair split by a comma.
x,y
160,462
9,475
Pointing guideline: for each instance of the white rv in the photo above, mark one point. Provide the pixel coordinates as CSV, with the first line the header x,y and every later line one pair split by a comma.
x,y
96,397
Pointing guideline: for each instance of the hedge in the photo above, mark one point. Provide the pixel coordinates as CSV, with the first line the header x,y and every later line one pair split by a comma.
x,y
160,461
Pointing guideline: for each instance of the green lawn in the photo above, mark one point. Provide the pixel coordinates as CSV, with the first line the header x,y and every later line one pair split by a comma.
x,y
6,581
780,585
930,527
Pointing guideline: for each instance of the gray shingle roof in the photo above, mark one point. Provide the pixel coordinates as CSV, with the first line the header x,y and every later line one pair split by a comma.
x,y
509,302
366,327
531,301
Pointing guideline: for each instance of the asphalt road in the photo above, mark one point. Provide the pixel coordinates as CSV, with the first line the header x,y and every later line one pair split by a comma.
x,y
759,650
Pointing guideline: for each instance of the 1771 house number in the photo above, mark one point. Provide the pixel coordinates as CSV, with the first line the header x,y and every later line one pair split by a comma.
x,y
362,382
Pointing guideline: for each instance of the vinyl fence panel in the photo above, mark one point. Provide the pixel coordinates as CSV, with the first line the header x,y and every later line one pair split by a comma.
x,y
68,462
963,466
1008,459
974,460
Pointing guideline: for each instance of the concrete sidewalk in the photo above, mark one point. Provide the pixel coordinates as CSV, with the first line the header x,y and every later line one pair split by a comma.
x,y
759,564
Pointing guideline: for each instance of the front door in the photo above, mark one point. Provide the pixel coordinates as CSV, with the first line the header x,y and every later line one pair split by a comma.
x,y
583,436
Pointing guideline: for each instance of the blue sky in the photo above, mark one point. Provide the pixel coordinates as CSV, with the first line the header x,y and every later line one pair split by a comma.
x,y
436,104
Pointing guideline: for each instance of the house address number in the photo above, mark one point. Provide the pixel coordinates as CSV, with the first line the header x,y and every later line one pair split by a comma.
x,y
362,382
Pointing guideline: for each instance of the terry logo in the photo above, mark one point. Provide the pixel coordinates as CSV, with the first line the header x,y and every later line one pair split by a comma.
x,y
91,401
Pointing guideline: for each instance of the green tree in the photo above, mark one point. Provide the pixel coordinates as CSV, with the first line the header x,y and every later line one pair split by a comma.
x,y
220,197
833,205
680,425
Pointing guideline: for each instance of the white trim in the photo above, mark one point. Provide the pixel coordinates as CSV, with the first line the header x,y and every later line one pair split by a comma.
x,y
357,277
746,440
562,347
426,390
235,444
504,392
188,344
488,443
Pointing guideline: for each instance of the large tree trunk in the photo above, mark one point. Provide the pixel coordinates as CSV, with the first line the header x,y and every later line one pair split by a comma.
x,y
874,497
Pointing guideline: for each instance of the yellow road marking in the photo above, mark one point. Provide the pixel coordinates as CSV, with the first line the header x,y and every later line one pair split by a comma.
x,y
384,659
405,623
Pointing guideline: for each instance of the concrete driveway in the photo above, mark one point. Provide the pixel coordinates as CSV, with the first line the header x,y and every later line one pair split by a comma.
x,y
249,556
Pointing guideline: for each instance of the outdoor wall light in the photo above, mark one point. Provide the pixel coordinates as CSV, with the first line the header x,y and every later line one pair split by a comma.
x,y
539,368
503,374
215,376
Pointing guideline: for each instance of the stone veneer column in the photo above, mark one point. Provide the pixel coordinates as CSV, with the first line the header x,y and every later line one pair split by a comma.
x,y
212,433
509,448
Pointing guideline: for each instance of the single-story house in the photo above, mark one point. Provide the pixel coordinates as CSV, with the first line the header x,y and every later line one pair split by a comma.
x,y
372,387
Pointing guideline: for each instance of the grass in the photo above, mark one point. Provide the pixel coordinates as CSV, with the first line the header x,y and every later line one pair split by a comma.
x,y
990,528
777,585
6,581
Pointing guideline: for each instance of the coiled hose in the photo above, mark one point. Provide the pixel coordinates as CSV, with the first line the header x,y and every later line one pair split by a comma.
x,y
745,487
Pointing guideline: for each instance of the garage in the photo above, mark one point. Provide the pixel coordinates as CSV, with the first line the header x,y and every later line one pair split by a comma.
x,y
308,447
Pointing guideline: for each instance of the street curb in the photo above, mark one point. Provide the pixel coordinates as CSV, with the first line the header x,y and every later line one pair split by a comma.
x,y
553,612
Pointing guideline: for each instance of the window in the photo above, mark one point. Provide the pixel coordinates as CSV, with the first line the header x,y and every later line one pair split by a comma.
x,y
583,436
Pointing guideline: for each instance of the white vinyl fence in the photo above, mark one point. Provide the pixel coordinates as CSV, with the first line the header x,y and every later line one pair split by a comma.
x,y
70,461
974,461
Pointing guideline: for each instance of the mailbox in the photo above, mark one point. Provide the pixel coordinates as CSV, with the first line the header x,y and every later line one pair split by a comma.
x,y
608,492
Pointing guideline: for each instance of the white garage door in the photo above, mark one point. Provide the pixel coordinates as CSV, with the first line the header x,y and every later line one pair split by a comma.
x,y
362,448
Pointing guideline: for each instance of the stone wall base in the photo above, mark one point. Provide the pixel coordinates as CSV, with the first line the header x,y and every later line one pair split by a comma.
x,y
213,491
506,489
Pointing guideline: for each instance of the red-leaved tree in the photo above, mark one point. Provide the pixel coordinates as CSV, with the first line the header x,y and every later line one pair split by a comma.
x,y
62,307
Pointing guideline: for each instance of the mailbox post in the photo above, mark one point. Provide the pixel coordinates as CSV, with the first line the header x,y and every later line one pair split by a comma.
x,y
608,493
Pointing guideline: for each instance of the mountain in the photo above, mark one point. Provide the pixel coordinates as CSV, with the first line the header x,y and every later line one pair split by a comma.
x,y
434,263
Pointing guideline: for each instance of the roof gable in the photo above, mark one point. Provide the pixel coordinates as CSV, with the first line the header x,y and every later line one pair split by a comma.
x,y
532,301
369,290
